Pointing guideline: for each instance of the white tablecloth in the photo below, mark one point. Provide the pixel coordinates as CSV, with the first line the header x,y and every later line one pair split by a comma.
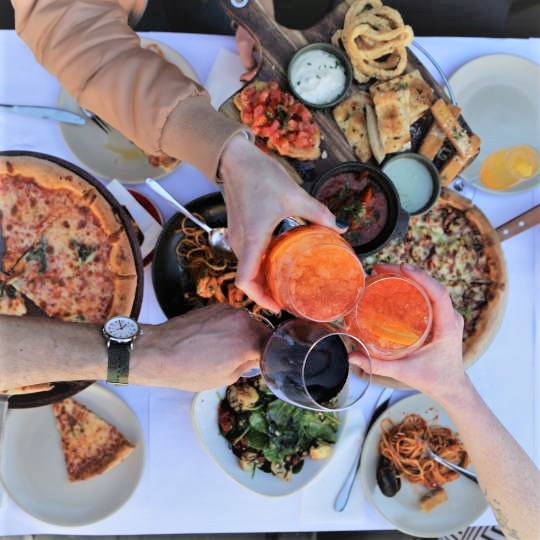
x,y
182,489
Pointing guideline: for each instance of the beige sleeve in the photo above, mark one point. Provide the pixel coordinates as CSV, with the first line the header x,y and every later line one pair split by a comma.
x,y
89,46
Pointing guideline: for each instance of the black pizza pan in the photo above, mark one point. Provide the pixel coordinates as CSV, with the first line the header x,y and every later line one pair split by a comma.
x,y
62,390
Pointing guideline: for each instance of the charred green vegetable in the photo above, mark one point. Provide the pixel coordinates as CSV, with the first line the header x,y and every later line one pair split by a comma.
x,y
268,434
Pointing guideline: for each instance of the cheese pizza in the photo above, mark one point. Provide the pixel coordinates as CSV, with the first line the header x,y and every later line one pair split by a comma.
x,y
65,249
91,446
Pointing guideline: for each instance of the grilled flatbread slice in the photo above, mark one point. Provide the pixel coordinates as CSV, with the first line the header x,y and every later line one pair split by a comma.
x,y
91,446
435,137
350,116
421,96
455,165
392,110
374,139
453,130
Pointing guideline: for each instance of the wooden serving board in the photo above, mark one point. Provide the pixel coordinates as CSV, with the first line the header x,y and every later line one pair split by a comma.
x,y
277,45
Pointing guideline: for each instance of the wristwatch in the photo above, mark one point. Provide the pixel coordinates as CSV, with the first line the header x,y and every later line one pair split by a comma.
x,y
120,333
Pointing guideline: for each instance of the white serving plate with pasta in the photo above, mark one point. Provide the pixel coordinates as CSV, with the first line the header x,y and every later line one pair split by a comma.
x,y
465,504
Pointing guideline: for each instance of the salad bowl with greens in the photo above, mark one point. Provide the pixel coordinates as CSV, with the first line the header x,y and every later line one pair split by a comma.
x,y
262,442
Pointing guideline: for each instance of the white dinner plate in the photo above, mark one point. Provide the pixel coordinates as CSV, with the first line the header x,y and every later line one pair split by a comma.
x,y
499,97
465,502
204,417
111,155
34,473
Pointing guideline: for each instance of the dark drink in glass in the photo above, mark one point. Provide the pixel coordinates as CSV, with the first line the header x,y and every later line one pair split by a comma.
x,y
306,364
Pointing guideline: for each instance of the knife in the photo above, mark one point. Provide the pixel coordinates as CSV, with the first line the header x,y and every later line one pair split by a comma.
x,y
383,399
49,113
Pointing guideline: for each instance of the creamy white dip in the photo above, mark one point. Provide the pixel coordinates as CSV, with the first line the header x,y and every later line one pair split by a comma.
x,y
412,180
318,77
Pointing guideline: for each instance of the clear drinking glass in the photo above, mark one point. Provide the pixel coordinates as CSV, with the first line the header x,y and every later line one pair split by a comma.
x,y
393,318
313,273
306,364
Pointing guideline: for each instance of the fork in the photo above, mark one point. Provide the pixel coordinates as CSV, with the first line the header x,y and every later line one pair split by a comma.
x,y
452,466
97,120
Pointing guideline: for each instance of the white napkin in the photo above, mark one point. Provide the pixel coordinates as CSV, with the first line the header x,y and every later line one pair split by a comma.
x,y
224,78
150,228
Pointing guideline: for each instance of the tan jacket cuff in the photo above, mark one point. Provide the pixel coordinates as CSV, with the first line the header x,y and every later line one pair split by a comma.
x,y
198,134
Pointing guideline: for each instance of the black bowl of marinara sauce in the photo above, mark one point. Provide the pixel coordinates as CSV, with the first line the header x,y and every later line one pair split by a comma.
x,y
365,198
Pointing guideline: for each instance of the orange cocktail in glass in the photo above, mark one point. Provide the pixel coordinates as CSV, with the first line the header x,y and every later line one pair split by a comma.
x,y
393,317
313,273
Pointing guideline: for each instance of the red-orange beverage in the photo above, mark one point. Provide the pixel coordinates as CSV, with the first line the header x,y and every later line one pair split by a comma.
x,y
393,317
313,273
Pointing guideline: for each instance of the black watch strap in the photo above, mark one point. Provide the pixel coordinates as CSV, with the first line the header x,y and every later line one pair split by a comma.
x,y
118,368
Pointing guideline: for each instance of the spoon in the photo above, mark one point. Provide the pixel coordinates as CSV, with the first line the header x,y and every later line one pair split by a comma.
x,y
217,236
465,472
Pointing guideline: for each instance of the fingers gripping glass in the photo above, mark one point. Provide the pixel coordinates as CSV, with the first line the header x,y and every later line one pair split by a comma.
x,y
256,371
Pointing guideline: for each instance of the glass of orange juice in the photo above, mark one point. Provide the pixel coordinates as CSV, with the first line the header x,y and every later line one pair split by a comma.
x,y
393,318
313,273
510,166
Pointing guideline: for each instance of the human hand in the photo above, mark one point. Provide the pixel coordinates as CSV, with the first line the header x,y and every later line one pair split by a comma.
x,y
259,194
246,46
205,348
437,367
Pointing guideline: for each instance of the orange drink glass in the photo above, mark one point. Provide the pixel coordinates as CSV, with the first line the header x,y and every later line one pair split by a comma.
x,y
313,273
393,318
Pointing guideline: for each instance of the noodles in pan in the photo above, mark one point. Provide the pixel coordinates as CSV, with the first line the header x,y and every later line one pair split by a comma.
x,y
404,445
213,271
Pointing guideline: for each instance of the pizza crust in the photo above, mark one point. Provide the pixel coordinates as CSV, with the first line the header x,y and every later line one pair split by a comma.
x,y
29,389
490,319
125,288
109,220
45,174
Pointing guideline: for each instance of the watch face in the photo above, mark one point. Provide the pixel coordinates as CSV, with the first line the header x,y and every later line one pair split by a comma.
x,y
121,328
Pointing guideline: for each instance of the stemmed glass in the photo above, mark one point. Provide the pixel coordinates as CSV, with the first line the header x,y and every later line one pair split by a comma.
x,y
306,364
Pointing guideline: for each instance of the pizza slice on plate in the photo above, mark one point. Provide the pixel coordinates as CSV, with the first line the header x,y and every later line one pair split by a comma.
x,y
81,267
91,445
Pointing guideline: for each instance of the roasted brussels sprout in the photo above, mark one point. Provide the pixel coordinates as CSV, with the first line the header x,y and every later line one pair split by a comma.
x,y
242,396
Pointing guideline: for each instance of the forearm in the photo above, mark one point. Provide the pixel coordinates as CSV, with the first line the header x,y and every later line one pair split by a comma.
x,y
34,350
98,59
508,477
